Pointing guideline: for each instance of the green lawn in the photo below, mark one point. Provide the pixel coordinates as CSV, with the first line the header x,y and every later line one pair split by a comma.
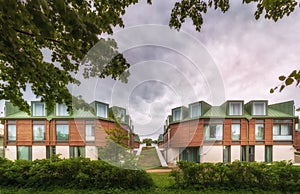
x,y
162,186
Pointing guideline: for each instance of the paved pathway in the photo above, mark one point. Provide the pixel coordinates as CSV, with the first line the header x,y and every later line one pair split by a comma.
x,y
158,170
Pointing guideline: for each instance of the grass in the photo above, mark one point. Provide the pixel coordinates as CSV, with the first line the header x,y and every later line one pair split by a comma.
x,y
161,180
148,158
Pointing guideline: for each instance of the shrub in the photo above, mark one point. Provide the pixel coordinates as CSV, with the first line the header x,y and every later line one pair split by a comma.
x,y
280,176
78,173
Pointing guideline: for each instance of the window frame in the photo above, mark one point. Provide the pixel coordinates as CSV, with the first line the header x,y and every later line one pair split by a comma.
x,y
33,133
257,132
79,149
98,113
198,112
11,141
231,109
212,129
254,108
60,107
93,132
174,114
56,132
280,123
29,152
33,109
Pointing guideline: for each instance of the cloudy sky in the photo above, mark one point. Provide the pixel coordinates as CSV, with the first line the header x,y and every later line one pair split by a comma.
x,y
234,57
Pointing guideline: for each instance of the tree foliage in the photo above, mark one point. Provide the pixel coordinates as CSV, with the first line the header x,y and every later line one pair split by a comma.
x,y
70,28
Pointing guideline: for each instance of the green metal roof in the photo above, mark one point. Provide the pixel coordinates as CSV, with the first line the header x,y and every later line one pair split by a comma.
x,y
279,110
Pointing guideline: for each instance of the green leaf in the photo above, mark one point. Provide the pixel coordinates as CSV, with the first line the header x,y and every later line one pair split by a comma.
x,y
289,81
281,88
282,77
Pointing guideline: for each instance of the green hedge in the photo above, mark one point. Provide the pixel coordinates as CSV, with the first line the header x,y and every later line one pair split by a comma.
x,y
278,176
78,173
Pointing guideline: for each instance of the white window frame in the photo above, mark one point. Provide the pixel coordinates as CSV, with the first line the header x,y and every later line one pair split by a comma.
x,y
259,103
198,112
91,136
174,114
218,133
34,111
231,109
61,110
99,114
14,128
34,128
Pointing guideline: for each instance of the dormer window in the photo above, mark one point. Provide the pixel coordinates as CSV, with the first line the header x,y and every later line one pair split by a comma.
x,y
177,116
195,110
235,108
61,110
259,108
120,114
102,110
38,109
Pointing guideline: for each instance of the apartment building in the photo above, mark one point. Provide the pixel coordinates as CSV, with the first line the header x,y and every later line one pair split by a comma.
x,y
43,133
255,131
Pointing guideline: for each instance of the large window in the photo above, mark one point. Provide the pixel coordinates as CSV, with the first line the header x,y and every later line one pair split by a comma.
x,y
282,130
102,110
190,154
195,110
259,108
247,153
235,108
226,154
38,109
177,114
236,130
38,132
50,151
77,151
24,153
213,131
11,133
61,110
268,153
259,130
89,132
62,133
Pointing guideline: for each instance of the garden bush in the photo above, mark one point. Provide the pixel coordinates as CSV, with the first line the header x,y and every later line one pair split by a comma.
x,y
278,176
78,173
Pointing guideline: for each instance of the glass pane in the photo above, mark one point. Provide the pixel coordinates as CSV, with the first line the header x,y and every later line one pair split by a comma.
x,y
11,130
23,153
206,132
195,110
38,109
284,130
219,132
259,108
259,131
235,108
268,153
62,132
102,110
61,110
276,129
235,131
177,115
38,132
89,133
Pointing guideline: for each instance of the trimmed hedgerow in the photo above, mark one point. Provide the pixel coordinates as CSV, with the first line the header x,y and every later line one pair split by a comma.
x,y
278,176
78,173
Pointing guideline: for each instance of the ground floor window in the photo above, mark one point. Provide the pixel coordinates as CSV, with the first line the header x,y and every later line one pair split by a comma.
x,y
24,153
190,154
50,151
226,154
247,153
268,153
77,151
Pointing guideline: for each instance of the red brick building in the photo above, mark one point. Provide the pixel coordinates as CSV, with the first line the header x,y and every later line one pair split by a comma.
x,y
44,133
255,131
